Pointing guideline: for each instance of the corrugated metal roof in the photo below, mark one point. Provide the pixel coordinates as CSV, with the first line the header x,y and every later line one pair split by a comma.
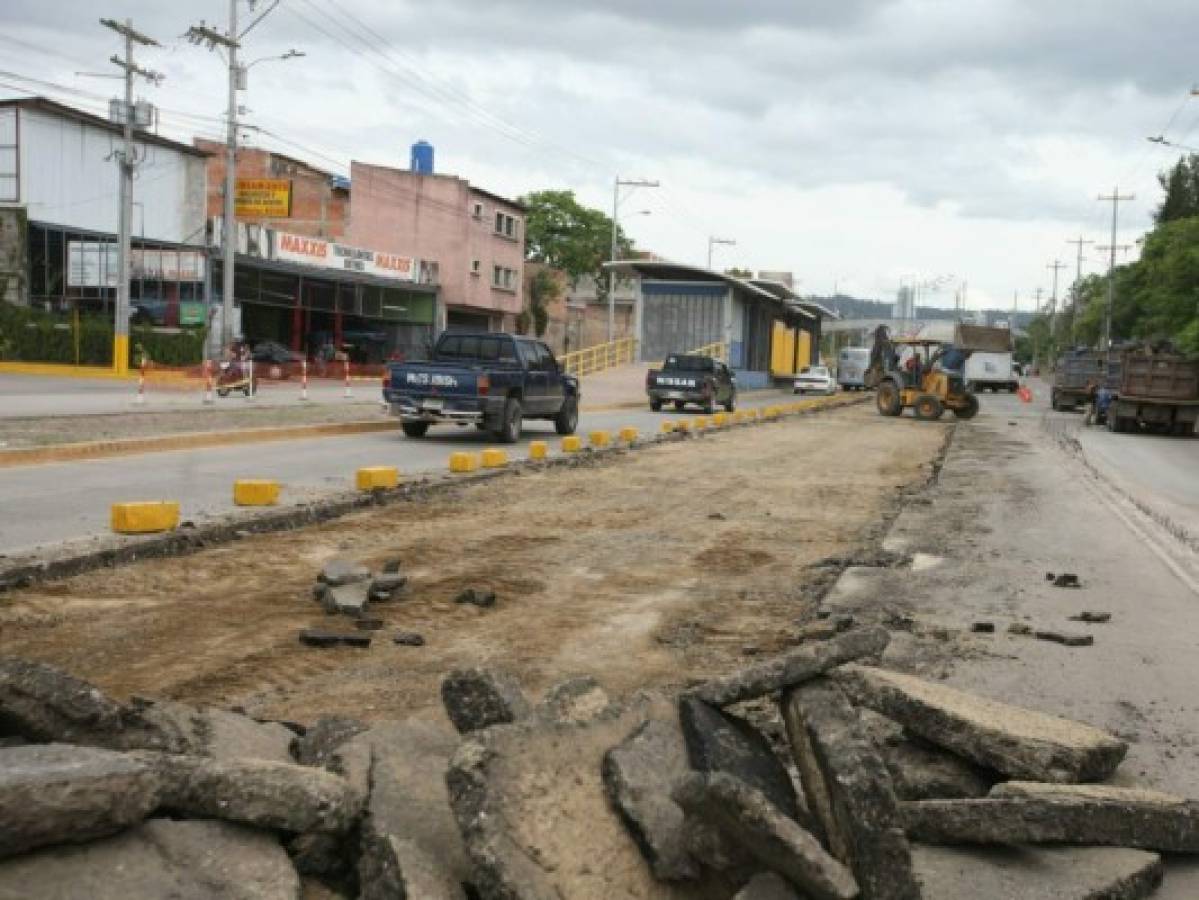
x,y
69,112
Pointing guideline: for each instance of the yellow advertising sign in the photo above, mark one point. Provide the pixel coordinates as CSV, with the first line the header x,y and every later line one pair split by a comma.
x,y
268,198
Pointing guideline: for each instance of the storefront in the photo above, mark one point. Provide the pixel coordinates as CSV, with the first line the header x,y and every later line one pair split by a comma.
x,y
318,297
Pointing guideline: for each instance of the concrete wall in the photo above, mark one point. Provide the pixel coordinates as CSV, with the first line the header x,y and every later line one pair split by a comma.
x,y
317,208
69,177
433,217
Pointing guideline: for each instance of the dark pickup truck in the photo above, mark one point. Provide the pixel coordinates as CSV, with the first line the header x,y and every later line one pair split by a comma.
x,y
491,381
685,379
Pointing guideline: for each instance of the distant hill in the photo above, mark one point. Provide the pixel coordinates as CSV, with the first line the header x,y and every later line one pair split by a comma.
x,y
857,308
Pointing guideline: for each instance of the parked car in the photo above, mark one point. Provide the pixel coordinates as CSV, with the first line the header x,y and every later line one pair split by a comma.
x,y
686,378
816,380
491,381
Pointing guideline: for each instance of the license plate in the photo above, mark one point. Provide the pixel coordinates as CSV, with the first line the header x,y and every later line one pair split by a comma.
x,y
433,405
675,395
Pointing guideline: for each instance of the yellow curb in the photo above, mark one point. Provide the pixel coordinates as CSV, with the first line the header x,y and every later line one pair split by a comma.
x,y
144,517
255,492
667,427
494,458
701,422
373,478
538,450
720,420
682,425
600,438
572,444
184,441
628,434
464,462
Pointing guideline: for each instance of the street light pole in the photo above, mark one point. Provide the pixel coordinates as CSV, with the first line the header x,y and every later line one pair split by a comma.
x,y
229,217
713,241
617,185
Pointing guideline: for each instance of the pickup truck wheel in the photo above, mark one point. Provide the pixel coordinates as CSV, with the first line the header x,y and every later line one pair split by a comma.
x,y
655,405
567,419
415,429
731,406
510,425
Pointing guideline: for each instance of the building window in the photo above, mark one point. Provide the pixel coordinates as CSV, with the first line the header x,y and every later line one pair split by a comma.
x,y
475,267
478,211
505,225
9,188
503,278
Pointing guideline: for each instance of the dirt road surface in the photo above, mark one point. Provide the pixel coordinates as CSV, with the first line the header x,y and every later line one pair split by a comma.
x,y
676,561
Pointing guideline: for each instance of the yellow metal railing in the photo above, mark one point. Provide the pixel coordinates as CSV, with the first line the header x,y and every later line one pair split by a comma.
x,y
718,350
599,357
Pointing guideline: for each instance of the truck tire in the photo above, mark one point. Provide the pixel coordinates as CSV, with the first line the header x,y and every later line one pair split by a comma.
x,y
679,404
887,399
970,410
731,406
567,419
415,429
709,407
928,408
510,422
655,404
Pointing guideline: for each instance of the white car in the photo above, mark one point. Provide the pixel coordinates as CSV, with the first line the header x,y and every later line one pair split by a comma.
x,y
815,379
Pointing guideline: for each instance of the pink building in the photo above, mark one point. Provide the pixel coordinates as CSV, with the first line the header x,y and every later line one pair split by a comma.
x,y
476,238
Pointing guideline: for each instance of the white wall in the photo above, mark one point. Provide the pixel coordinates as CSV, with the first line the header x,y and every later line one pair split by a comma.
x,y
69,177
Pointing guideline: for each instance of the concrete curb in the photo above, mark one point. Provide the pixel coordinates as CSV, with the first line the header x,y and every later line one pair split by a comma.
x,y
24,573
184,441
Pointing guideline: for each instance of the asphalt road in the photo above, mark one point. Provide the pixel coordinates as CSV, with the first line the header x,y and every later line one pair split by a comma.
x,y
48,504
37,395
1159,471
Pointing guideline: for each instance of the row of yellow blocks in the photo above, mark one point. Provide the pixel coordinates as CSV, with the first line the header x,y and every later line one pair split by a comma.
x,y
145,517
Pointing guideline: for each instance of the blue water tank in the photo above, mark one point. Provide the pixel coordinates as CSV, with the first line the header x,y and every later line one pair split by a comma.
x,y
422,158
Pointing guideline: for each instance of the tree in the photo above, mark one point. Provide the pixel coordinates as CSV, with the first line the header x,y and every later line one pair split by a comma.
x,y
1167,284
1181,185
564,234
739,273
544,291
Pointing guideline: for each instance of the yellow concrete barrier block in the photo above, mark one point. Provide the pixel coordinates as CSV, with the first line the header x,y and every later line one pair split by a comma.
x,y
145,517
667,427
255,492
572,443
701,423
494,458
374,478
682,425
538,450
720,420
628,434
600,438
464,462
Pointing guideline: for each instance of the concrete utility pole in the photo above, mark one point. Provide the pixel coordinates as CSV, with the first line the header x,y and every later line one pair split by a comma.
x,y
201,34
619,183
1080,242
120,334
713,241
1057,265
1114,199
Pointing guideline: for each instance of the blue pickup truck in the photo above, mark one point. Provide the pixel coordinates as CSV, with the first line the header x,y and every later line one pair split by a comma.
x,y
491,381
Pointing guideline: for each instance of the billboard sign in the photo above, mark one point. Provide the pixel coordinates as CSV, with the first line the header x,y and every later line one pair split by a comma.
x,y
265,198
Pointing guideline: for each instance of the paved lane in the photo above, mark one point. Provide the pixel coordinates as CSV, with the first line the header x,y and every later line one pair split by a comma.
x,y
47,504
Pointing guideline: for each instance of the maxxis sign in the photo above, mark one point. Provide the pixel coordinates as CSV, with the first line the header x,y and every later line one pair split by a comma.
x,y
264,198
311,251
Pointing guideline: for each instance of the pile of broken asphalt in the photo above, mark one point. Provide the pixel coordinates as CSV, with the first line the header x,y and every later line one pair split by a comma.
x,y
812,774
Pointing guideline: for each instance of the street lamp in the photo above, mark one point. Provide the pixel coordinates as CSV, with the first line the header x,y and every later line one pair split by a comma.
x,y
633,183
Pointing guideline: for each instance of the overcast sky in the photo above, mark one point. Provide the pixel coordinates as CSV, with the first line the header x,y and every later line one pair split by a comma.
x,y
855,143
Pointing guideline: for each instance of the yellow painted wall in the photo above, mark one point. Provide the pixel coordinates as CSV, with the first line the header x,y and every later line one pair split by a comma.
x,y
805,349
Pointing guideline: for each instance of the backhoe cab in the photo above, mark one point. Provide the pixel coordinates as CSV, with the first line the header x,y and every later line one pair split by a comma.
x,y
918,373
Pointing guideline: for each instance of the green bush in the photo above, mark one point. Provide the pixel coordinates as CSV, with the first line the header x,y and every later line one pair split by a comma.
x,y
31,335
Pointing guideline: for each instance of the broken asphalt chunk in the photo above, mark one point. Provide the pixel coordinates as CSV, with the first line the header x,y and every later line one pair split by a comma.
x,y
341,571
1016,742
1144,822
1096,618
1061,637
479,698
745,816
476,597
849,791
316,637
794,667
409,639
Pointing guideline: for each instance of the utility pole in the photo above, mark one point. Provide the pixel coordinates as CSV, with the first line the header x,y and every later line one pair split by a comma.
x,y
199,34
619,183
713,241
1057,265
1114,199
120,334
1080,242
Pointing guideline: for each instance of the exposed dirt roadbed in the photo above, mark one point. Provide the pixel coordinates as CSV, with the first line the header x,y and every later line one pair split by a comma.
x,y
671,563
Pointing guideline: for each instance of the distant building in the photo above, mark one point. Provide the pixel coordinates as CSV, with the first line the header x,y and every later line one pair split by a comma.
x,y
784,278
905,304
